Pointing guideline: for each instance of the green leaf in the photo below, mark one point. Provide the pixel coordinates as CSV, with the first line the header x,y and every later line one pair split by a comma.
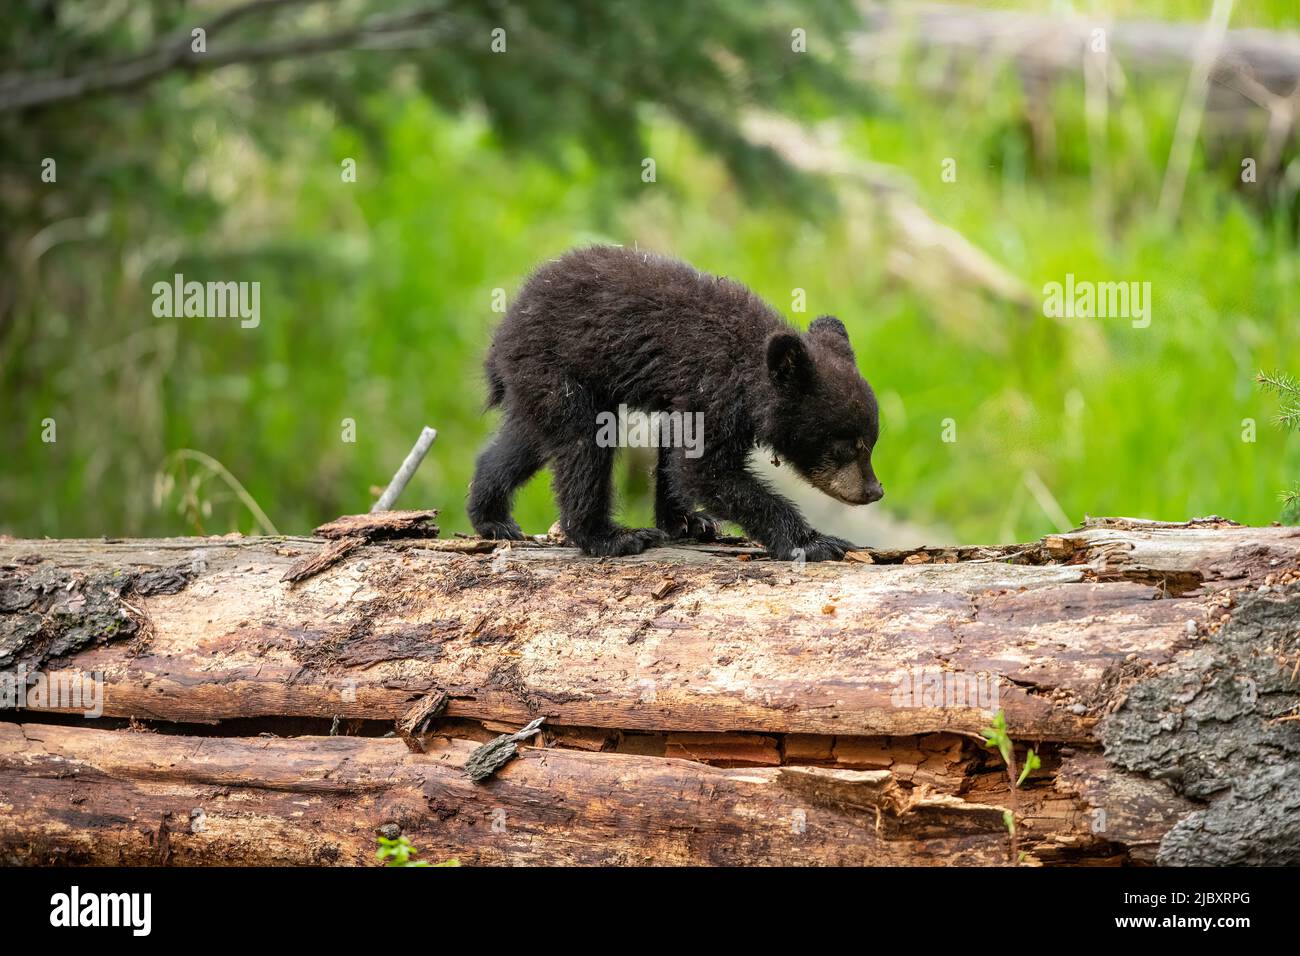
x,y
1032,763
996,736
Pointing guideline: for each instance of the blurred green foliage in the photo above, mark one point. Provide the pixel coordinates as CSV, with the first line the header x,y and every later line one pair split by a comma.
x,y
377,295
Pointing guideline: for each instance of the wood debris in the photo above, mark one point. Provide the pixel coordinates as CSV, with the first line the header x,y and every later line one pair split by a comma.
x,y
495,754
382,525
349,532
316,563
663,589
416,720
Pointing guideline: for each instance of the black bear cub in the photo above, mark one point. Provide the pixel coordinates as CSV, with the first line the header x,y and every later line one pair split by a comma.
x,y
605,327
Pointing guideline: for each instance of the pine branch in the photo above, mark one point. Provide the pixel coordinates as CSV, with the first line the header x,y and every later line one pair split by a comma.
x,y
1290,418
1280,383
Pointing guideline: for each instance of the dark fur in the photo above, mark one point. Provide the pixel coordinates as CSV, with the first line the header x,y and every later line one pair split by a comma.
x,y
605,325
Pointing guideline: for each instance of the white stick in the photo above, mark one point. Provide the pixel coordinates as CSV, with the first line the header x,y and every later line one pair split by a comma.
x,y
412,462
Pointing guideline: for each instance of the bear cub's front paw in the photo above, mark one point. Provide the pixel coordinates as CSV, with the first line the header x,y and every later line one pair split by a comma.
x,y
624,541
820,547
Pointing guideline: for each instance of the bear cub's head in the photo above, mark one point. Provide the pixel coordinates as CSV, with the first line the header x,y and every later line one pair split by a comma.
x,y
824,420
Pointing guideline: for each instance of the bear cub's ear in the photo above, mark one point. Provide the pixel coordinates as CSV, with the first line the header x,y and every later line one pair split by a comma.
x,y
831,332
788,361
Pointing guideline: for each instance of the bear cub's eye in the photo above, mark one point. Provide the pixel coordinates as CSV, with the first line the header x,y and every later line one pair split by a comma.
x,y
845,451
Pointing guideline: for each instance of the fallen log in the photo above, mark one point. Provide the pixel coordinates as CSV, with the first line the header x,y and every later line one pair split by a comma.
x,y
1046,45
751,712
1253,83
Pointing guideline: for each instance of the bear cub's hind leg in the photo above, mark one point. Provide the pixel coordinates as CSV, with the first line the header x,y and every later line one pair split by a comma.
x,y
508,462
583,490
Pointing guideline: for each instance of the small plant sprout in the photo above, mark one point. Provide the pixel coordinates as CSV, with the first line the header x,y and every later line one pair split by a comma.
x,y
1032,763
996,737
400,852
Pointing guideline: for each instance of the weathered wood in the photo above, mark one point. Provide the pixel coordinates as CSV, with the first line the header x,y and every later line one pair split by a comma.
x,y
737,646
75,795
761,672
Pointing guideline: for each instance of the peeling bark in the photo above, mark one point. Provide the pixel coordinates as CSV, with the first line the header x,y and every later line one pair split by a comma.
x,y
1213,726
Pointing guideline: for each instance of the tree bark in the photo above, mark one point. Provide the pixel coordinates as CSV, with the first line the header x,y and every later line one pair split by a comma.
x,y
701,704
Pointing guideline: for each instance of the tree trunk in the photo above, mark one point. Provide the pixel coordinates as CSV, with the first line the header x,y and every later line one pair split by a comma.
x,y
701,704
